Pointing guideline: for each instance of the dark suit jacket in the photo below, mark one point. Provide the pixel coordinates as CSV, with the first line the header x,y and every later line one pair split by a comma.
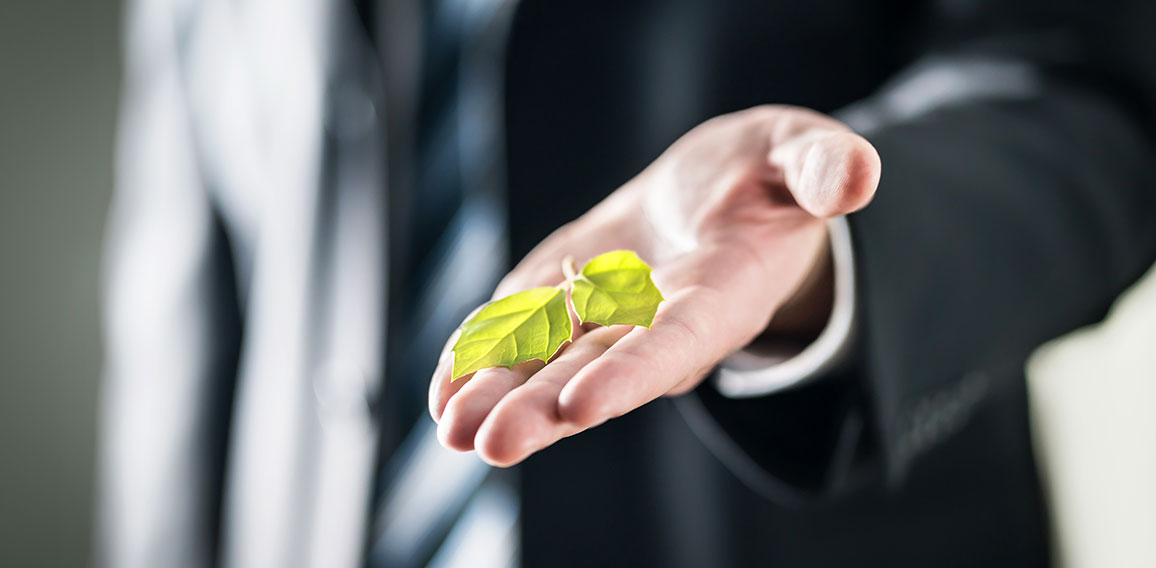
x,y
1016,201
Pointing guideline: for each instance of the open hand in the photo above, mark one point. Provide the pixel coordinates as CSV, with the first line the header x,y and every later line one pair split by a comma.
x,y
731,217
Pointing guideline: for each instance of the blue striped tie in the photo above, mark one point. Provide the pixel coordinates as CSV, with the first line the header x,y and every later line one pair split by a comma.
x,y
448,250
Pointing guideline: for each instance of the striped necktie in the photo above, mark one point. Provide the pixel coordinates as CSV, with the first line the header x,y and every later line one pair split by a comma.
x,y
448,249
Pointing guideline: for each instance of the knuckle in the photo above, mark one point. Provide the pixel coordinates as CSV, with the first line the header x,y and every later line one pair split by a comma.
x,y
686,330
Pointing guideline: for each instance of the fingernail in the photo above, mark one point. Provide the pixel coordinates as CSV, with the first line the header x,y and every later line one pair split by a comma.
x,y
437,382
445,364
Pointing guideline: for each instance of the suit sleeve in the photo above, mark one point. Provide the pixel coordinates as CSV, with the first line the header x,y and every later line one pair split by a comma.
x,y
1015,203
165,280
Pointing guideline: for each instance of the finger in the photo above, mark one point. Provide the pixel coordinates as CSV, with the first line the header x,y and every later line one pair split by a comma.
x,y
716,299
442,388
465,411
527,419
828,169
608,226
644,365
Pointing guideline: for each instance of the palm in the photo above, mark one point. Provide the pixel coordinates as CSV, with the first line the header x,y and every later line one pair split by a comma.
x,y
732,219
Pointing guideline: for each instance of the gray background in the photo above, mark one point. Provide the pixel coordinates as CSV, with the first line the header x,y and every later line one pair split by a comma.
x,y
58,88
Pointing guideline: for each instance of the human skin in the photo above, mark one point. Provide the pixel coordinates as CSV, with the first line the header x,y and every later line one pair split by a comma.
x,y
732,217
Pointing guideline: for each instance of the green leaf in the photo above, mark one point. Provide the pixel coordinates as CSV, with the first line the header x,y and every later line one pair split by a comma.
x,y
615,288
518,328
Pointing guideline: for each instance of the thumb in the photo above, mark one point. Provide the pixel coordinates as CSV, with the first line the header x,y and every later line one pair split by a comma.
x,y
828,169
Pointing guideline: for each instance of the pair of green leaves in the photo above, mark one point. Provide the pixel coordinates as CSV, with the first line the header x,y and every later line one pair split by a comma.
x,y
613,288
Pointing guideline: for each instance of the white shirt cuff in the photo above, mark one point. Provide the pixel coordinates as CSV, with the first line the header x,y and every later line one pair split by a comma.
x,y
748,374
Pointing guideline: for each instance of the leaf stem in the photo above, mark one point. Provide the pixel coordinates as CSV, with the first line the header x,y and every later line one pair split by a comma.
x,y
569,269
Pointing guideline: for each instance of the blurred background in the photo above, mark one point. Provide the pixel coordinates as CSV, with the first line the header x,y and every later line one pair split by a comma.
x,y
59,74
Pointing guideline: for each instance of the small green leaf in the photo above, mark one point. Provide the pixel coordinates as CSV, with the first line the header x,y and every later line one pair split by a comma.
x,y
528,325
615,288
